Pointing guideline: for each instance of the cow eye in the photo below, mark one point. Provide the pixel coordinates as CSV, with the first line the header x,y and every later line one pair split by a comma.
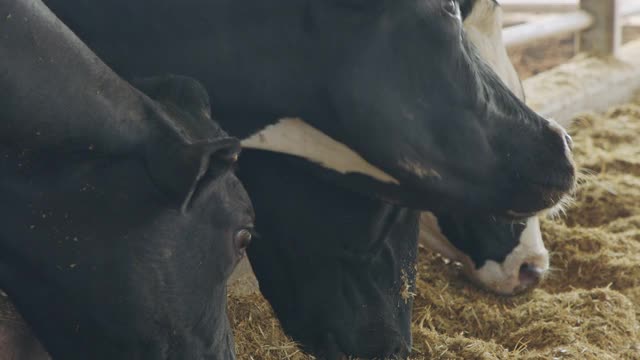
x,y
243,237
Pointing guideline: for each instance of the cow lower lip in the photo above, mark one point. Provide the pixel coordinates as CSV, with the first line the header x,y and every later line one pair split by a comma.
x,y
556,186
552,197
538,199
555,183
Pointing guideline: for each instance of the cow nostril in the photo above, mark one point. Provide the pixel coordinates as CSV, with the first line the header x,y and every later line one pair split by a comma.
x,y
530,275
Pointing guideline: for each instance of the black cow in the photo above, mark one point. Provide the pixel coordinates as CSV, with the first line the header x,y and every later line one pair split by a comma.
x,y
120,218
395,80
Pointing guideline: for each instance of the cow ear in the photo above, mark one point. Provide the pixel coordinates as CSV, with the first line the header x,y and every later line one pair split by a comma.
x,y
179,170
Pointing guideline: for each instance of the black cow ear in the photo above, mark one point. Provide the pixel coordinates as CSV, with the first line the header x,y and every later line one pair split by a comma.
x,y
202,151
178,170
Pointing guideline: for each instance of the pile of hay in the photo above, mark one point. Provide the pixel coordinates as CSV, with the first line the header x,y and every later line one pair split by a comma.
x,y
589,306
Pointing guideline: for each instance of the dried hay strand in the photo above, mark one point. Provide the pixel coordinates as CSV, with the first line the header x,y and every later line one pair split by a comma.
x,y
587,308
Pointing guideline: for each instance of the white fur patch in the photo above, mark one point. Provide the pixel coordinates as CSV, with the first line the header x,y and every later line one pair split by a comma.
x,y
483,27
504,278
296,137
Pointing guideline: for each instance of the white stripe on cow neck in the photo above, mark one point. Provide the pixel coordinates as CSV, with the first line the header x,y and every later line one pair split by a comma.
x,y
296,137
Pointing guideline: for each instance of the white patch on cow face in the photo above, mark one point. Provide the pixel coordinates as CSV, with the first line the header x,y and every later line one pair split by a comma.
x,y
483,27
504,278
296,137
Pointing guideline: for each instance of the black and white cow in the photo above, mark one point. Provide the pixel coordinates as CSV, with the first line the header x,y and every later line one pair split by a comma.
x,y
503,256
120,218
399,99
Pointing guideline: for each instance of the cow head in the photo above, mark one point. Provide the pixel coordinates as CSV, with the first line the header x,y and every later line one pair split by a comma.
x,y
400,83
125,254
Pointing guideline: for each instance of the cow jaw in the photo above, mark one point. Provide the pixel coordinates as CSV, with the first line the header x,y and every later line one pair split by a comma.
x,y
293,136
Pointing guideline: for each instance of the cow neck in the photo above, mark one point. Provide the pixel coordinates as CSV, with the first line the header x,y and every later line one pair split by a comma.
x,y
293,136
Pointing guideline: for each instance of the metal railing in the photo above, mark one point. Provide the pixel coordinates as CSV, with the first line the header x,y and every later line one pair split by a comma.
x,y
596,23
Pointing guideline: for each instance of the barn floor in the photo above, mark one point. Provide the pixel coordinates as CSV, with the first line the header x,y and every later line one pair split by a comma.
x,y
588,308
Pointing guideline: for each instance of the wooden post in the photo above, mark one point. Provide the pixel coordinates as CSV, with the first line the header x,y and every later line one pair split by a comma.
x,y
603,38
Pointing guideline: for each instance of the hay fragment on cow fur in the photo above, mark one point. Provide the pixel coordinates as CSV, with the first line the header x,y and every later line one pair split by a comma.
x,y
587,308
